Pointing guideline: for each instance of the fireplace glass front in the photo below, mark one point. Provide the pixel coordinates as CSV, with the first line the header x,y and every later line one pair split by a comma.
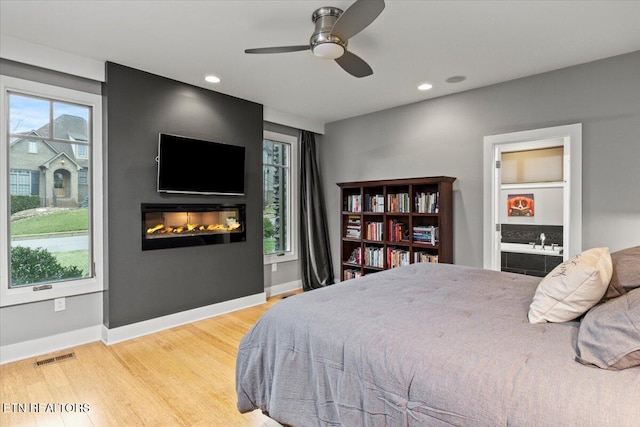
x,y
174,226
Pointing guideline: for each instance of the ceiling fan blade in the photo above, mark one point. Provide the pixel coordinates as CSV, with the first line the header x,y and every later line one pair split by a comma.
x,y
354,65
279,49
357,17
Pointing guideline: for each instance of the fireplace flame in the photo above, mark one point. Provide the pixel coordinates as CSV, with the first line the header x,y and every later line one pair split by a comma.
x,y
154,229
162,229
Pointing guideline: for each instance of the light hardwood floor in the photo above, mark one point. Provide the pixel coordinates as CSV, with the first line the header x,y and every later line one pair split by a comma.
x,y
184,376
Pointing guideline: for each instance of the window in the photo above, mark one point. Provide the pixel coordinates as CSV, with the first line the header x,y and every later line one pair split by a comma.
x,y
82,177
49,118
20,182
81,151
24,183
279,208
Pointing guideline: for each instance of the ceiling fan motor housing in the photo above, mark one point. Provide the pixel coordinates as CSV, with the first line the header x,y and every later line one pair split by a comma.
x,y
323,43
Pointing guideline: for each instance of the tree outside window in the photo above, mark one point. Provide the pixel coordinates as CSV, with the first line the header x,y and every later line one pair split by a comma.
x,y
280,197
276,183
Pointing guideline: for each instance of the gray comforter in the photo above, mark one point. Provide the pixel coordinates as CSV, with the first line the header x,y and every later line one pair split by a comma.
x,y
425,345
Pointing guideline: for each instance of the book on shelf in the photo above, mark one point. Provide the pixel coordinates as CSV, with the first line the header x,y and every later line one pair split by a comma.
x,y
354,227
398,203
397,257
351,274
425,234
374,203
374,257
424,257
398,231
426,202
355,257
353,203
374,231
353,232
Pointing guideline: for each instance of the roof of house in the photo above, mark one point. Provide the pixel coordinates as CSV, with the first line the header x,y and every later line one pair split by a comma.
x,y
65,127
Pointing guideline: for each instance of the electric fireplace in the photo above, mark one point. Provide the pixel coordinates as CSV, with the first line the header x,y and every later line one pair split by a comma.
x,y
179,225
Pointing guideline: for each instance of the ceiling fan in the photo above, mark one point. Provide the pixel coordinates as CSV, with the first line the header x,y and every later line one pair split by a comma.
x,y
333,30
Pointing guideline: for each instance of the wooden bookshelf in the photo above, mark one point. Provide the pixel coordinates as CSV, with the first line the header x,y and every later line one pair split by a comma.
x,y
393,222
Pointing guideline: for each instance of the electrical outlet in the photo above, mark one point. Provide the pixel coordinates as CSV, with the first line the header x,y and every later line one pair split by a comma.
x,y
59,304
274,267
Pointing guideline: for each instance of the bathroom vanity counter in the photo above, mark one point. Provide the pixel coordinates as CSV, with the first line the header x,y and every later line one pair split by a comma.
x,y
522,248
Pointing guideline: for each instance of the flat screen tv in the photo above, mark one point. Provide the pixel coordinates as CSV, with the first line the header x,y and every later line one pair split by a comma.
x,y
193,166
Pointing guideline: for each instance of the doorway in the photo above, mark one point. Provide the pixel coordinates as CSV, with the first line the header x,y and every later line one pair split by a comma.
x,y
61,183
564,187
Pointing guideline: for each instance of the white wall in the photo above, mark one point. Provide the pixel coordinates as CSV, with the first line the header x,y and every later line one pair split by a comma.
x,y
547,206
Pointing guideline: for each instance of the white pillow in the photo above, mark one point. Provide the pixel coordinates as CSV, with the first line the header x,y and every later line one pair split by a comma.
x,y
572,288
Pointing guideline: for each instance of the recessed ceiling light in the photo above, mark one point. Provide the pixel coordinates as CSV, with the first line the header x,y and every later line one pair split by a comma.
x,y
456,79
212,79
425,86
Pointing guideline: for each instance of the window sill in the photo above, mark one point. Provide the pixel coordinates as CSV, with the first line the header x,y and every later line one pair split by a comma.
x,y
26,294
275,259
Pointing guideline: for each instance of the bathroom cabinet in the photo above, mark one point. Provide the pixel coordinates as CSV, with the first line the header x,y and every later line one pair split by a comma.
x,y
529,264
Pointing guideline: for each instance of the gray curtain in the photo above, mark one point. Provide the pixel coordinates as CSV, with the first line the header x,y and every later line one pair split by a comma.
x,y
317,269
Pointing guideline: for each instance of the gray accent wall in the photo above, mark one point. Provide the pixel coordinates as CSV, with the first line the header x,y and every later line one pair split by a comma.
x,y
150,284
444,136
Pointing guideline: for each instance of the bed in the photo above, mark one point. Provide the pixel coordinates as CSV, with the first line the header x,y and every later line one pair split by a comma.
x,y
426,345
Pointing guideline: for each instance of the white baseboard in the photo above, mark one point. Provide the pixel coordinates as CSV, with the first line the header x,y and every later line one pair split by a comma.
x,y
127,332
283,288
24,350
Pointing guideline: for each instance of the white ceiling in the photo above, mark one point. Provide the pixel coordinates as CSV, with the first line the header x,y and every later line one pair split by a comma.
x,y
411,42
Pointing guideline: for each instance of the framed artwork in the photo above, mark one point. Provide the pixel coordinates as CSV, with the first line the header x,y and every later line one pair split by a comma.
x,y
520,205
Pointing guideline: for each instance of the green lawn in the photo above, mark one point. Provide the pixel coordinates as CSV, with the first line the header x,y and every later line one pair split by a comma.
x,y
59,222
76,220
79,258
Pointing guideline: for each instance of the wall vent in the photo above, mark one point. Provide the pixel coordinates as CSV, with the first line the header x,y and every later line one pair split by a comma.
x,y
54,359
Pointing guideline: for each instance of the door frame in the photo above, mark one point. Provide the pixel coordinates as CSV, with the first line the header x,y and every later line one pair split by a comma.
x,y
572,216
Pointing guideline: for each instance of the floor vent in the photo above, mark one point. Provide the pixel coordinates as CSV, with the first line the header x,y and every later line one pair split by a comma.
x,y
54,359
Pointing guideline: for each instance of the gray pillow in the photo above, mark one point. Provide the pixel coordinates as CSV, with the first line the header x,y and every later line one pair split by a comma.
x,y
626,268
609,335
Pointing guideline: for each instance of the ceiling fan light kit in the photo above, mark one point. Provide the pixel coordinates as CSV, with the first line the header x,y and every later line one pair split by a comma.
x,y
328,50
333,29
323,43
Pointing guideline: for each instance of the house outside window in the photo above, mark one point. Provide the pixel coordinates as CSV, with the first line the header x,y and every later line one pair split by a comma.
x,y
33,147
51,194
279,213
